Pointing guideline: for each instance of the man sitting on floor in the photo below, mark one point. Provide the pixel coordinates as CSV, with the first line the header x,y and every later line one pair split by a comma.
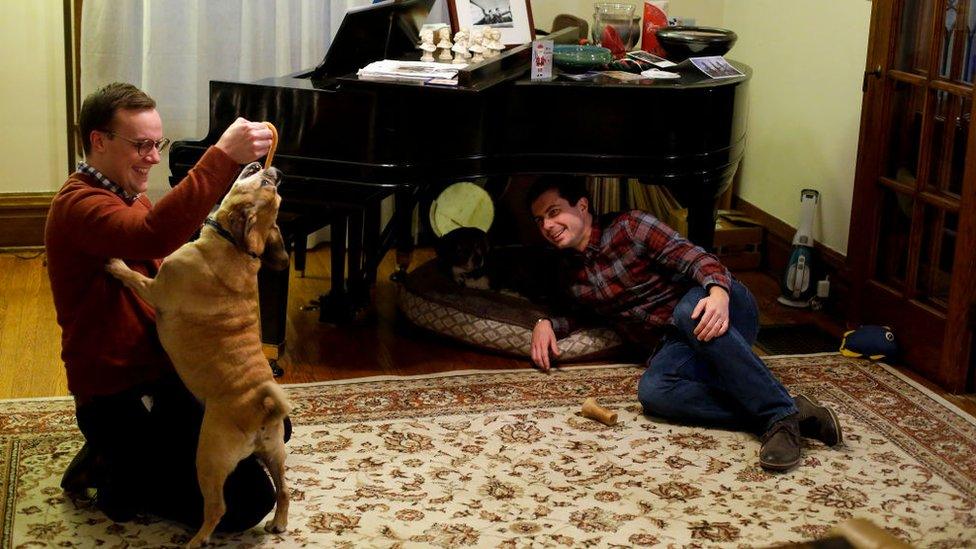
x,y
665,293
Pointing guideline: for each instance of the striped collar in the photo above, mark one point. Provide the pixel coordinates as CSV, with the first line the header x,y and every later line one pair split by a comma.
x,y
86,169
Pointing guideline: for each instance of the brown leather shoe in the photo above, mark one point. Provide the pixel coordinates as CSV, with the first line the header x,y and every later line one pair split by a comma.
x,y
780,449
817,421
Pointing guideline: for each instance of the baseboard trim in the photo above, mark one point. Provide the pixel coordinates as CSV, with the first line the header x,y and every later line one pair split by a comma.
x,y
778,246
22,216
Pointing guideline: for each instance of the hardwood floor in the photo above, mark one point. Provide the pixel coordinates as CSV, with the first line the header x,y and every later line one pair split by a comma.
x,y
384,344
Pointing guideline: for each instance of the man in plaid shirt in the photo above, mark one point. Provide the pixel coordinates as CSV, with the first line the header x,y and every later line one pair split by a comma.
x,y
661,290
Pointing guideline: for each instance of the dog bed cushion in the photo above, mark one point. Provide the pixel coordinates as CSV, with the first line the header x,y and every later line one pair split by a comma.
x,y
491,320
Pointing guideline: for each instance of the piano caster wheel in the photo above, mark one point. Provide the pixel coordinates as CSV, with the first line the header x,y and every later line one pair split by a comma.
x,y
400,275
276,371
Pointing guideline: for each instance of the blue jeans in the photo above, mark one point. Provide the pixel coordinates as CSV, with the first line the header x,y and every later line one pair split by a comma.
x,y
718,383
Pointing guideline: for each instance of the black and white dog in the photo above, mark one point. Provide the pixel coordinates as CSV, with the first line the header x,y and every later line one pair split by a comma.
x,y
465,256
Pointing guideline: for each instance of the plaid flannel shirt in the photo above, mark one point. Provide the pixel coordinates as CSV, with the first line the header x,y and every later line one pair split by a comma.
x,y
633,272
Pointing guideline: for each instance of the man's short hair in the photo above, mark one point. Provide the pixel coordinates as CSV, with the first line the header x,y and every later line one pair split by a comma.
x,y
99,108
570,187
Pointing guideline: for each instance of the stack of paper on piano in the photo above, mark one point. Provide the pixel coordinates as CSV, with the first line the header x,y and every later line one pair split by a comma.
x,y
409,70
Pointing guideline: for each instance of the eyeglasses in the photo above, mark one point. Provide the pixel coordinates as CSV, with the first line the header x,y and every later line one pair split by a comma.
x,y
144,146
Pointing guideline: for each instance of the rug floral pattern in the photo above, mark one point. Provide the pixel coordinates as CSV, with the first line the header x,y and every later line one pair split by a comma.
x,y
505,460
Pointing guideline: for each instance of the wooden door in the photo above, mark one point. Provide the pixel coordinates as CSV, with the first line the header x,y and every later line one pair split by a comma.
x,y
913,232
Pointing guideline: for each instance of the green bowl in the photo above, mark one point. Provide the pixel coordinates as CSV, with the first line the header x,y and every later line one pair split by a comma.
x,y
572,58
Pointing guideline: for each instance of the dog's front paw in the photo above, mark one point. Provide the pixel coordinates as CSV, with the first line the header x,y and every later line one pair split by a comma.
x,y
198,541
116,266
275,528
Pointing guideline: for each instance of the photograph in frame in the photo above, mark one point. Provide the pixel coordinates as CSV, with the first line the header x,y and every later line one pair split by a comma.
x,y
513,18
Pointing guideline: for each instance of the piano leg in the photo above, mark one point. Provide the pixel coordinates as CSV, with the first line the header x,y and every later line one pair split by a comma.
x,y
404,202
336,307
357,286
273,303
371,244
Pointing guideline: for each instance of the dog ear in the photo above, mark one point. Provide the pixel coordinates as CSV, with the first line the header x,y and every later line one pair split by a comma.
x,y
253,239
275,255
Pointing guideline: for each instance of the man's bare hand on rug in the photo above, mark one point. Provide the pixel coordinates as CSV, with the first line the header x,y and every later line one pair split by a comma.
x,y
543,341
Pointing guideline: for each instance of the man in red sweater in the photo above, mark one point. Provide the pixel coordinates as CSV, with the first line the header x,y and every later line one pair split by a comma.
x,y
139,421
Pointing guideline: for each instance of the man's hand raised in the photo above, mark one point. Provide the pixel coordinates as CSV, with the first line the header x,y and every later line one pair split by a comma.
x,y
245,141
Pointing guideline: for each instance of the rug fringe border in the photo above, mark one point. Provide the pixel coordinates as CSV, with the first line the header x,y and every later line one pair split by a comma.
x,y
457,373
929,393
894,371
825,353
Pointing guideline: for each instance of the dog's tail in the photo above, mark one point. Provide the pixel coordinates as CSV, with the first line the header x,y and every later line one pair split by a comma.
x,y
274,402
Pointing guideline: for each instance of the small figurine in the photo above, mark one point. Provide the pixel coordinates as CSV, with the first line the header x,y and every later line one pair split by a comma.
x,y
493,44
444,43
427,45
460,48
476,47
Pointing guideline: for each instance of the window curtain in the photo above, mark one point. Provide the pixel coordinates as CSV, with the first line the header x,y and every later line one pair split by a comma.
x,y
172,49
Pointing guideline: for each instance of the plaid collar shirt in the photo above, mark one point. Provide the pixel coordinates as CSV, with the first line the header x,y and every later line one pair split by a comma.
x,y
86,169
634,271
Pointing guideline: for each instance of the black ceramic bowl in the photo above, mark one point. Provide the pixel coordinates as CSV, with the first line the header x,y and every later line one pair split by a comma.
x,y
683,42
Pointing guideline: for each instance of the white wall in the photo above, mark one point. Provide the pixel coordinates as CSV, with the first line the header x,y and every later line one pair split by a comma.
x,y
33,130
808,58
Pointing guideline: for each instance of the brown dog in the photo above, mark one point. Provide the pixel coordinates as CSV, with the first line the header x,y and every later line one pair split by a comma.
x,y
206,299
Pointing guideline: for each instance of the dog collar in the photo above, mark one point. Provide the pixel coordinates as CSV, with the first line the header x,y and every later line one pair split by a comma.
x,y
226,235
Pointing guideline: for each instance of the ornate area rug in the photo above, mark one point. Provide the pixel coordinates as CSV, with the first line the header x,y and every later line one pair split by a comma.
x,y
504,460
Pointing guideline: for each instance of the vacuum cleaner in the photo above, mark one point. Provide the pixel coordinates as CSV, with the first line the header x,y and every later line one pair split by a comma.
x,y
796,281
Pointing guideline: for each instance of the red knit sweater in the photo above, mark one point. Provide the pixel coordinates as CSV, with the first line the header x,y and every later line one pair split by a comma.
x,y
108,334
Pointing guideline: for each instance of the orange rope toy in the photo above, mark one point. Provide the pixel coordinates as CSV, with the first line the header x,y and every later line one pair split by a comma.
x,y
274,144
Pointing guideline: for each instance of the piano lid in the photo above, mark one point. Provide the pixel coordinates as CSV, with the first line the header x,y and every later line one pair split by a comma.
x,y
385,30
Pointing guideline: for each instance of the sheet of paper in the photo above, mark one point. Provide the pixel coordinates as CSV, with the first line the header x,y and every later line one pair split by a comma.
x,y
715,66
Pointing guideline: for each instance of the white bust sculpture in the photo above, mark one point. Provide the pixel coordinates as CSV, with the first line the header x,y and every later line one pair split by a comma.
x,y
427,45
476,47
444,43
460,48
493,44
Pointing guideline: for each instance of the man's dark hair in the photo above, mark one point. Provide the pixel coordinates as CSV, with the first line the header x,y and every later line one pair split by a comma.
x,y
99,108
570,187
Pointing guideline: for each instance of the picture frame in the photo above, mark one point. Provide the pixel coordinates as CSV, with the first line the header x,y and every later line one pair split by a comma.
x,y
512,17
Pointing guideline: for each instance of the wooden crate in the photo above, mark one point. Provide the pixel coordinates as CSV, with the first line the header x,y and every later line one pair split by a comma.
x,y
737,240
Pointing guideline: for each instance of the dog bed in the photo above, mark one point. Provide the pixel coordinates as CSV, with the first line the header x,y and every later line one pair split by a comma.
x,y
491,320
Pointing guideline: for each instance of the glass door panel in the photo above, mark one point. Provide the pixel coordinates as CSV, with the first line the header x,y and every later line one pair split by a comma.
x,y
904,132
936,257
968,55
955,41
914,36
895,230
950,134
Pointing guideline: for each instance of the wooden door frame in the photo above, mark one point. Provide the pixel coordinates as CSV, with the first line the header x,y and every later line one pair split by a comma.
x,y
869,164
951,373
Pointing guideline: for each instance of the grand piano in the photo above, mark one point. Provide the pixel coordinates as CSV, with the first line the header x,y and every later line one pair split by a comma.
x,y
346,143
